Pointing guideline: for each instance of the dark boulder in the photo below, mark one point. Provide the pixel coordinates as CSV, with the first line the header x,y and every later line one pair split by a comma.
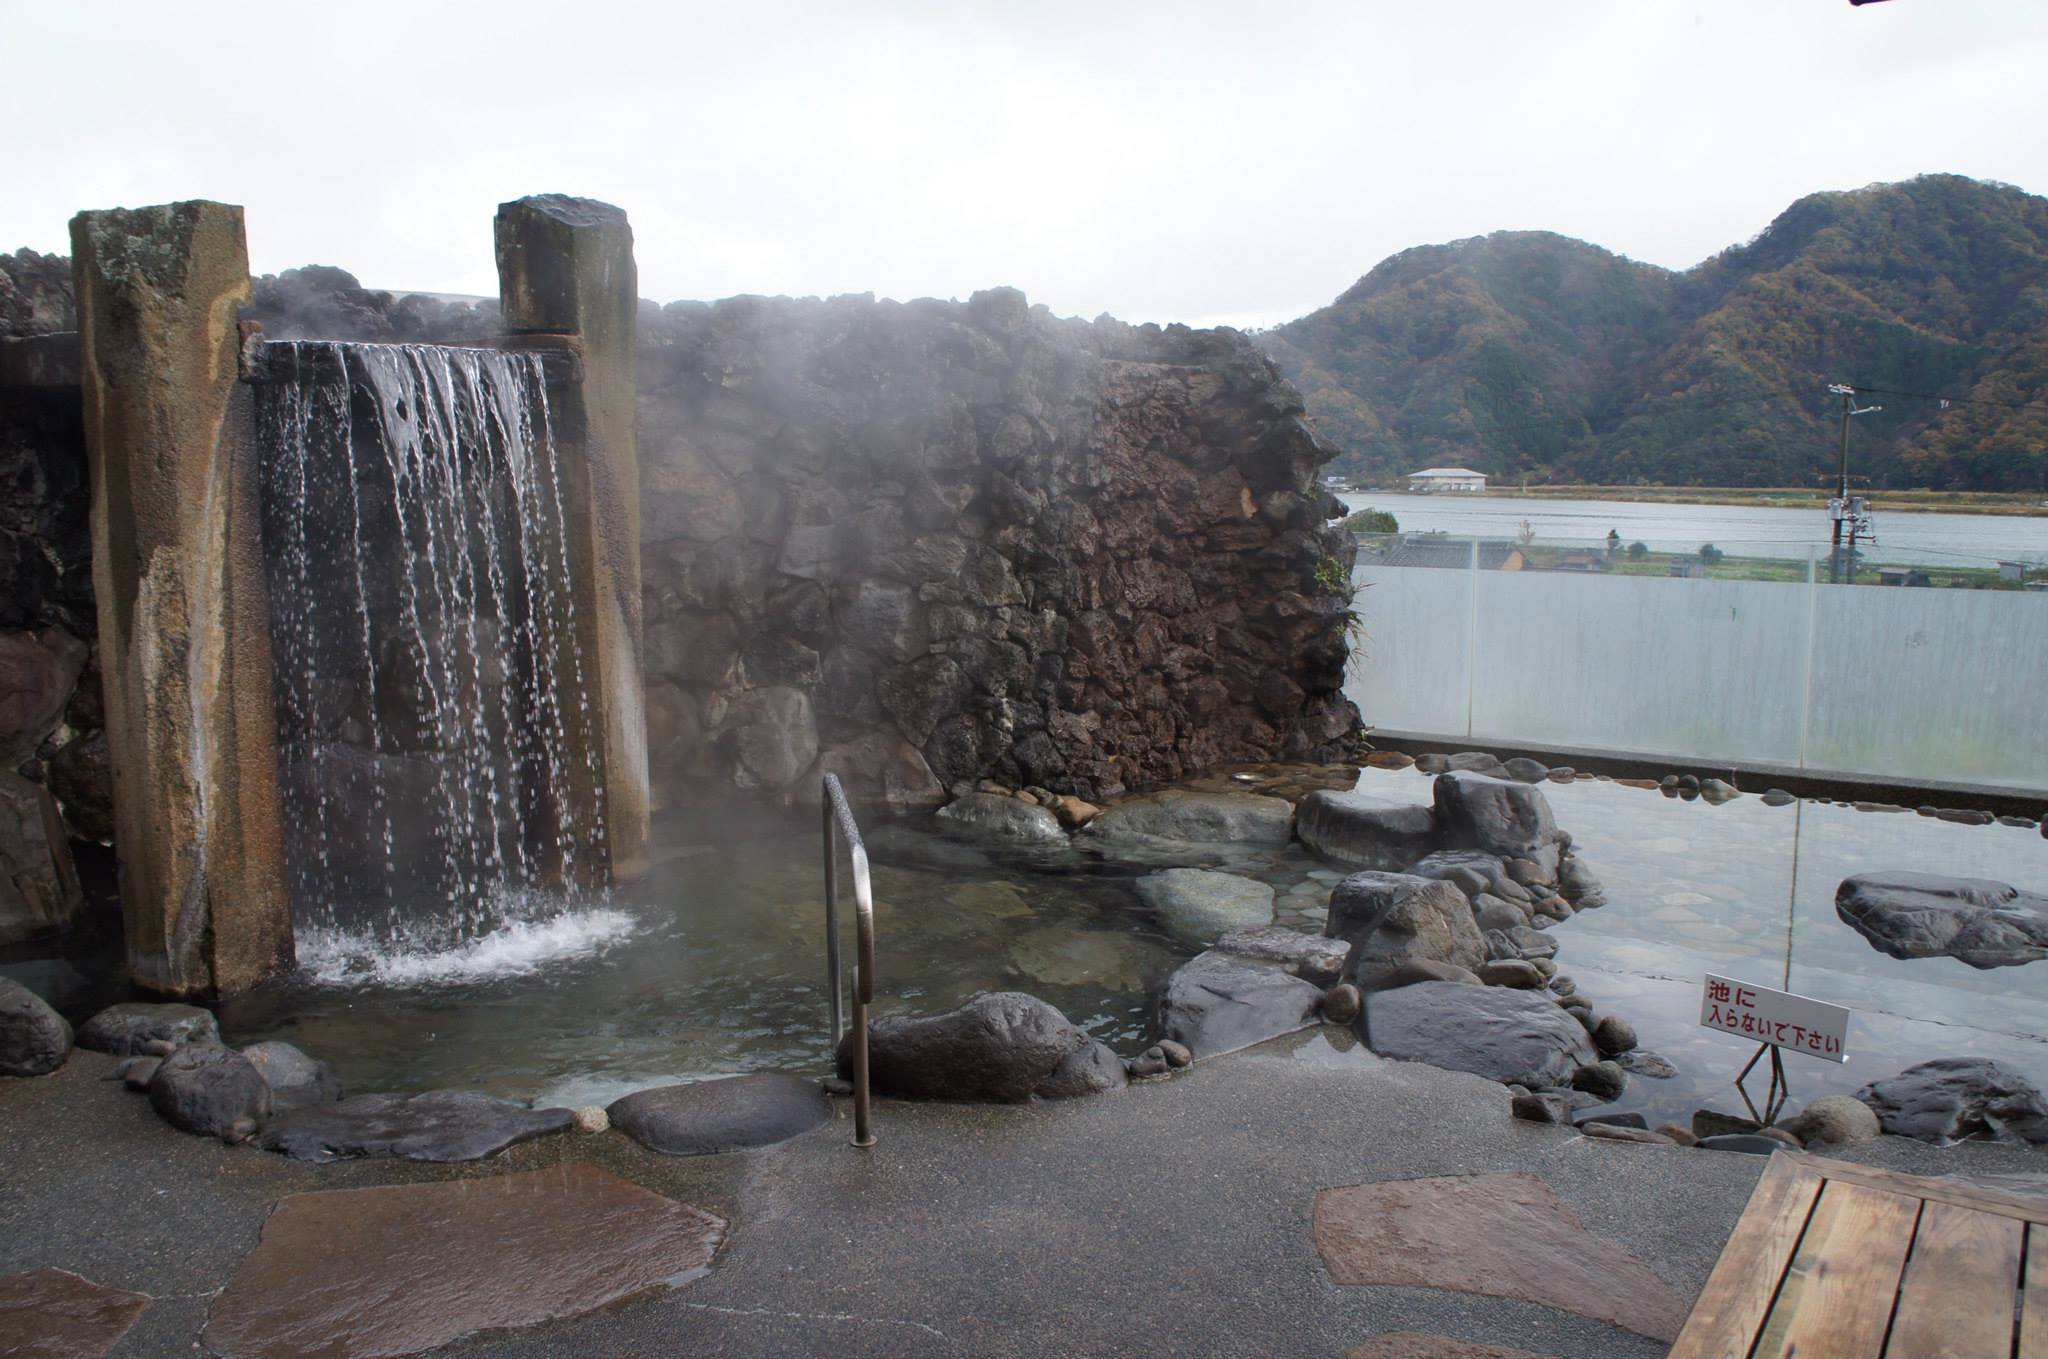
x,y
1951,1098
437,1125
1514,1037
295,1080
1001,1046
1392,920
211,1090
1359,830
124,1029
1217,1003
707,1117
1921,915
34,1039
1496,816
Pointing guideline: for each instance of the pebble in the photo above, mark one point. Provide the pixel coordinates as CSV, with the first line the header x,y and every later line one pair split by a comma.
x,y
1177,1054
136,1072
1603,1079
1138,1068
1614,1035
836,1085
592,1119
1678,1133
1614,1133
1541,1108
1341,1003
1778,797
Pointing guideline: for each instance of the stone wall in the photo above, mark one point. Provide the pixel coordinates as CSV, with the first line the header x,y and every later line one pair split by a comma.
x,y
922,544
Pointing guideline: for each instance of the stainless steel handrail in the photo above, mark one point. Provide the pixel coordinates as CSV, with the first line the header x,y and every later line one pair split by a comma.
x,y
839,825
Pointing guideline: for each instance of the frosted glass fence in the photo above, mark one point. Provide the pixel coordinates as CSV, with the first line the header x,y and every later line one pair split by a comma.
x,y
1754,658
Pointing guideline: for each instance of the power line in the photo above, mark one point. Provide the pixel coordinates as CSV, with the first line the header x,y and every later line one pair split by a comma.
x,y
1954,400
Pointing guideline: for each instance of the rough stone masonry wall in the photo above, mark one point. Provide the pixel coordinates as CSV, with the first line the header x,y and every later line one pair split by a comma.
x,y
922,544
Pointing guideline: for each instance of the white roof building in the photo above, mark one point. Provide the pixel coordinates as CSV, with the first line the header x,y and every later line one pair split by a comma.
x,y
1447,479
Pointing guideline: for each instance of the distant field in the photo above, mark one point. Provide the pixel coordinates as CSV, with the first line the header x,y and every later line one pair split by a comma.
x,y
2023,503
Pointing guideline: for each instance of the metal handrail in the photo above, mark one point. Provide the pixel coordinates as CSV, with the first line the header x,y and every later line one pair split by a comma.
x,y
839,825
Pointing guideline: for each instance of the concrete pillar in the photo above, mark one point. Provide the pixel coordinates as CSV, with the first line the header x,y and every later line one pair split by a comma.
x,y
183,613
565,267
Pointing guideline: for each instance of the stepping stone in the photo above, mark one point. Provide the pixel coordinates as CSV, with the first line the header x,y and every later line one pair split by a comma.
x,y
706,1117
1501,1236
439,1125
55,1314
1415,1345
378,1273
1216,1004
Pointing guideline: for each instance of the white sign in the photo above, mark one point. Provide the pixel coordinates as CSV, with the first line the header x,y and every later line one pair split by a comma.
x,y
1761,1015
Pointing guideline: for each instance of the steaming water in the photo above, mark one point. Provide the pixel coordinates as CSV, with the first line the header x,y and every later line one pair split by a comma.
x,y
424,635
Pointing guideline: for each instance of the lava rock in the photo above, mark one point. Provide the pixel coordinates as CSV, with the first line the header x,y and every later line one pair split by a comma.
x,y
125,1029
211,1090
295,1080
704,1118
34,1039
1189,817
1956,1097
1360,830
435,1125
1392,920
1834,1119
1514,1037
1197,907
1216,1003
1312,957
999,1046
1001,819
1921,915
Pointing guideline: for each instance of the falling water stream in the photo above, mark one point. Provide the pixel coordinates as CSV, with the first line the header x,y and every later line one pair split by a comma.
x,y
424,634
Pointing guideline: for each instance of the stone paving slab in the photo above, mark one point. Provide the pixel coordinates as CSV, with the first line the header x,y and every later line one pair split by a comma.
x,y
1504,1236
55,1314
381,1273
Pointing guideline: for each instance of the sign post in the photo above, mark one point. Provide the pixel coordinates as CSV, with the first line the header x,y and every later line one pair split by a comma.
x,y
1776,1020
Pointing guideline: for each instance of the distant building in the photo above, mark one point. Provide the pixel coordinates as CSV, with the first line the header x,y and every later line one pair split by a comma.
x,y
1446,479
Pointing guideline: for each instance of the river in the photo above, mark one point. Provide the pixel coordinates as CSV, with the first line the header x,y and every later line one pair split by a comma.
x,y
1740,530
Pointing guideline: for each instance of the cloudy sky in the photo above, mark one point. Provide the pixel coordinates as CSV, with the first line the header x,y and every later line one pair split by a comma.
x,y
1181,160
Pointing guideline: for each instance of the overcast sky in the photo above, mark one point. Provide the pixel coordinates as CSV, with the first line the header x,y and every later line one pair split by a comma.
x,y
1212,163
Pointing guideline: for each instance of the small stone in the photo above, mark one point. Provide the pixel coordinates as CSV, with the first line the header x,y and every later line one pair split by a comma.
x,y
1839,1120
1754,1143
1176,1054
1630,1120
1711,1123
1576,1002
1432,763
34,1039
1563,773
1140,1068
1563,985
837,1086
125,1029
733,1113
1613,1132
1542,1108
1603,1079
1516,972
295,1080
156,1047
1074,813
1778,797
1689,783
1522,769
1546,966
137,1072
1639,1062
1780,1135
1027,797
208,1089
1614,1035
1678,1133
1341,1003
592,1118
1716,791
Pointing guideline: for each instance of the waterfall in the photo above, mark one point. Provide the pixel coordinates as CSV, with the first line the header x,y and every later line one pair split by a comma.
x,y
423,630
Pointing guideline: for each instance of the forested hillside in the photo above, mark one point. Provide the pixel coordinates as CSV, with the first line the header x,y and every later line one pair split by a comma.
x,y
1533,356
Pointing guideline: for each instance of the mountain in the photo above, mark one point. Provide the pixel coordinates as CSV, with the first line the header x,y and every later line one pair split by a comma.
x,y
1529,355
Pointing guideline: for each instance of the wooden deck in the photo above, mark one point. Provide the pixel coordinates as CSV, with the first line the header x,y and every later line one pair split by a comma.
x,y
1835,1261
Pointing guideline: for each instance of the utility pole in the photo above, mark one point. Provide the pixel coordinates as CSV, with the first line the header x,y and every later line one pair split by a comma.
x,y
1846,511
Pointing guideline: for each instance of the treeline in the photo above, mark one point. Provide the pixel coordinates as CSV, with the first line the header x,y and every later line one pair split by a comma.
x,y
1532,356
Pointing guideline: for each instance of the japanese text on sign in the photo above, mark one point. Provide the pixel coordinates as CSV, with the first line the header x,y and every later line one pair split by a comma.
x,y
1761,1015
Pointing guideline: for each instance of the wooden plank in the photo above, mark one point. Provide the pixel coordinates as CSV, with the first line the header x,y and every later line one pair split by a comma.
x,y
2034,1298
1744,1283
1836,1298
1981,1197
1960,1286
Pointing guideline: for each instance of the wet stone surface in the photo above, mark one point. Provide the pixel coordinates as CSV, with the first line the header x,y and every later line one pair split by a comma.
x,y
55,1314
1504,1236
409,1268
733,1114
438,1125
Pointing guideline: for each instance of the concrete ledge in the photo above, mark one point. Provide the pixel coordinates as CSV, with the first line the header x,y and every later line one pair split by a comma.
x,y
1750,776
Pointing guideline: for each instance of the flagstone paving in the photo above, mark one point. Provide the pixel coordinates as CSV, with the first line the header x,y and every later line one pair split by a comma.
x,y
55,1314
381,1273
1504,1236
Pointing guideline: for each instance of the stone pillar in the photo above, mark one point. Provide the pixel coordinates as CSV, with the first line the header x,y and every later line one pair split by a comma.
x,y
565,267
183,613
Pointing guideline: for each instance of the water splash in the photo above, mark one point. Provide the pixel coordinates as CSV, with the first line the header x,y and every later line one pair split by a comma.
x,y
534,931
423,624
